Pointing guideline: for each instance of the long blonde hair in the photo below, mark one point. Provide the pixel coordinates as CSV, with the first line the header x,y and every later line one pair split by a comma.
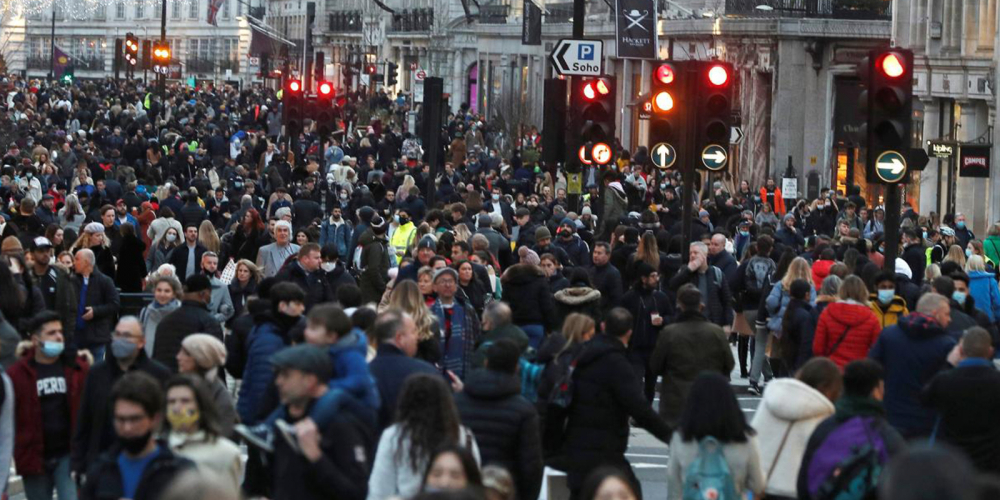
x,y
208,237
83,241
956,255
574,327
799,269
406,296
648,250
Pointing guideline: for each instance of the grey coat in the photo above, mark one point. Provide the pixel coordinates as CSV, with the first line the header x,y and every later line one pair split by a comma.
x,y
150,318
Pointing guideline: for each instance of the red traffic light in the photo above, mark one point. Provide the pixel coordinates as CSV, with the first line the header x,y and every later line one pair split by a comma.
x,y
892,65
663,102
295,86
718,75
593,89
325,88
370,69
665,74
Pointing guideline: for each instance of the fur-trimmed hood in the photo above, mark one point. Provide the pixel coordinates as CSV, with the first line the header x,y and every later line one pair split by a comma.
x,y
577,295
520,274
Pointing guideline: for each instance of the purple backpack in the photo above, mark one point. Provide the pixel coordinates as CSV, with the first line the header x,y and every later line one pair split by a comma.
x,y
848,463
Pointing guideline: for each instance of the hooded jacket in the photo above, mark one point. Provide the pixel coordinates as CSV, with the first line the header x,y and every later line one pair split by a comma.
x,y
889,314
577,299
855,322
350,368
375,262
983,287
788,413
505,425
912,352
527,291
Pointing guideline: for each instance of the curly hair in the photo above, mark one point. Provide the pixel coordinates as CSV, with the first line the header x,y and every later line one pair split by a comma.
x,y
406,296
427,418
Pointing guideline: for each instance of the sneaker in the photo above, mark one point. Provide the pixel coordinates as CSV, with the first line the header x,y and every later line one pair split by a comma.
x,y
755,389
260,436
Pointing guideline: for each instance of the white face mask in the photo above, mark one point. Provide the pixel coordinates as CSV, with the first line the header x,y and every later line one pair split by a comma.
x,y
171,238
328,266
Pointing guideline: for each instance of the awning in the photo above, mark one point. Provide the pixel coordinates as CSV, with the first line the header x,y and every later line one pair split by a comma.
x,y
262,36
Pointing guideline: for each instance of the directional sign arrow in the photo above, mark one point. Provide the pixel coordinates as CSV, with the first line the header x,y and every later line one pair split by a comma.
x,y
894,166
735,135
714,157
664,155
890,166
578,57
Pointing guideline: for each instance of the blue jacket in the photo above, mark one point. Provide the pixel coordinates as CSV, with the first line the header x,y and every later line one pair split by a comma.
x,y
577,250
983,288
391,367
350,368
912,351
339,235
265,340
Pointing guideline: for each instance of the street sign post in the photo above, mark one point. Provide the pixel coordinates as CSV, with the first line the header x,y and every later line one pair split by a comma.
x,y
576,57
890,166
420,75
714,157
735,135
664,155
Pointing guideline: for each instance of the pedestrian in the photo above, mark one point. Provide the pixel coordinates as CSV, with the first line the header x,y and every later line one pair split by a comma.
x,y
457,321
527,292
887,305
396,360
649,307
846,329
798,328
452,468
271,257
98,304
166,299
202,356
711,281
191,317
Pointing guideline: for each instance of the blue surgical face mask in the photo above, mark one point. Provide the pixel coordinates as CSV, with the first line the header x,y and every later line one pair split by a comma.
x,y
960,224
885,296
52,349
968,252
744,233
925,235
958,296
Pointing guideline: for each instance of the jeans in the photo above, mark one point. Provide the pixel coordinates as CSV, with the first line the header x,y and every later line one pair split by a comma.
x,y
760,363
39,486
97,350
535,334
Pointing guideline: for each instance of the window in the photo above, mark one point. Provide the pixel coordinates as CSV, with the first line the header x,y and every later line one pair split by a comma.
x,y
140,10
193,9
239,7
101,11
157,9
225,9
120,10
175,9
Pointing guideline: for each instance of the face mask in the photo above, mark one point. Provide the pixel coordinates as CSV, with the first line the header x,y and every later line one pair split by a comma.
x,y
171,238
663,186
744,233
925,235
52,349
403,220
960,225
496,197
328,266
238,185
821,207
122,349
881,249
343,196
958,296
134,445
29,175
885,296
968,253
181,419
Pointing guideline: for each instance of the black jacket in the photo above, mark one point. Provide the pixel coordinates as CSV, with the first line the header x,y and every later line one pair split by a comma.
x,y
606,393
916,258
191,317
131,265
608,281
103,297
347,446
390,368
967,399
179,258
505,425
642,303
316,288
104,478
94,432
526,289
192,214
719,303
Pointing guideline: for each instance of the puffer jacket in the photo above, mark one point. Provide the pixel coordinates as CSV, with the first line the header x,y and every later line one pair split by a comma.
x,y
350,368
789,412
375,260
577,299
983,288
820,270
855,322
505,425
888,315
526,289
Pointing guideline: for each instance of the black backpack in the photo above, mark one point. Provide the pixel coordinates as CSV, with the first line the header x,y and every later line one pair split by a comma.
x,y
558,402
758,272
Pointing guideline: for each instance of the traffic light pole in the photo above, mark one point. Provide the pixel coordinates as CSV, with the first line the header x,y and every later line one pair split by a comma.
x,y
688,171
893,205
52,41
571,163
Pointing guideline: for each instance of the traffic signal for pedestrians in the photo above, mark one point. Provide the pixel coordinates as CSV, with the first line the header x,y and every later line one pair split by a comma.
x,y
67,77
131,50
292,106
668,105
391,74
887,75
161,57
714,106
596,119
323,112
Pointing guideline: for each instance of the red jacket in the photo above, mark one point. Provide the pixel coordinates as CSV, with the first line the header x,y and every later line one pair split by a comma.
x,y
857,320
29,444
820,270
779,202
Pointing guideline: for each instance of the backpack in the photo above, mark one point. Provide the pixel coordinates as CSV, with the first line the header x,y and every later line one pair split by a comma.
x,y
847,465
759,270
708,477
558,402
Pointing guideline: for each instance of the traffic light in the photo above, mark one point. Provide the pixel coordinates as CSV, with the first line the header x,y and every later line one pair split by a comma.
x,y
391,74
888,77
67,77
292,106
370,69
323,112
161,57
595,125
668,107
714,112
131,50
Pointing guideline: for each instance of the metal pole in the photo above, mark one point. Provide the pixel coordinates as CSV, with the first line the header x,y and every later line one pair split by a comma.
x,y
52,38
572,162
688,171
162,78
892,216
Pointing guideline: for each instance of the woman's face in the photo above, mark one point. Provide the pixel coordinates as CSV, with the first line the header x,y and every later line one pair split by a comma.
x,y
163,293
67,261
465,273
447,473
426,284
589,334
185,363
247,218
301,238
181,400
57,237
243,273
613,488
96,239
549,267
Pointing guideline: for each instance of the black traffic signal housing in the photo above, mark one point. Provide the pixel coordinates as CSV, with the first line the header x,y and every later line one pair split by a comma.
x,y
161,57
323,113
713,105
594,107
669,106
292,106
887,75
554,122
131,50
391,73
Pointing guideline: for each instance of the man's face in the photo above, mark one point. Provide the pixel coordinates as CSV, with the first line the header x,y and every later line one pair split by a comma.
x,y
959,218
108,218
50,332
943,316
293,385
406,337
282,234
457,253
291,308
42,257
698,255
120,210
81,264
131,420
191,234
210,264
424,255
651,281
886,285
390,196
844,229
717,244
337,213
601,256
961,286
560,194
445,286
311,261
789,222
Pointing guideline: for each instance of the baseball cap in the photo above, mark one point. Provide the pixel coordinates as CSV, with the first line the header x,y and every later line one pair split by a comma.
x,y
40,243
305,358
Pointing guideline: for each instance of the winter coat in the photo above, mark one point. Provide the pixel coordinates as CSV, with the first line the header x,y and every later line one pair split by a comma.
x,y
131,266
915,257
104,478
911,353
642,303
220,304
615,204
271,257
606,393
820,270
192,215
505,425
64,300
218,456
855,322
582,300
178,257
719,302
391,367
392,473
968,399
776,302
888,315
608,280
796,342
157,256
29,441
684,349
316,288
150,317
375,260
788,413
190,318
337,234
983,288
576,249
94,432
350,368
265,339
103,297
526,291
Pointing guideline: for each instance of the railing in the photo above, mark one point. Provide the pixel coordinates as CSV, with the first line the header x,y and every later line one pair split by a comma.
x,y
834,9
89,63
493,14
412,20
199,66
230,64
558,13
38,63
348,21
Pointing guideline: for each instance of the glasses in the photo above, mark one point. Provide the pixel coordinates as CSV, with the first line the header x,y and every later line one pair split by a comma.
x,y
445,281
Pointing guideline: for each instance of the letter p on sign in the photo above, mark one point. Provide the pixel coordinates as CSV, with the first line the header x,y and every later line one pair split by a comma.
x,y
585,52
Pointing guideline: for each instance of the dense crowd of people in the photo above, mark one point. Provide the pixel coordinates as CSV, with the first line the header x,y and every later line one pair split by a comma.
x,y
179,278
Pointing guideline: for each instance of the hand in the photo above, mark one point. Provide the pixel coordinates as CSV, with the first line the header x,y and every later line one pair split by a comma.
x,y
694,264
308,435
456,383
88,314
955,356
727,330
657,320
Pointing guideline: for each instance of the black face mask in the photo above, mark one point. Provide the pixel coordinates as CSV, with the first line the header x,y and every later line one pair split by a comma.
x,y
134,445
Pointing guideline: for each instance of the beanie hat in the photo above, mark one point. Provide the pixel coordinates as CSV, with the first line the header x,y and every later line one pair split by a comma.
x,y
11,245
643,269
587,211
542,233
208,352
903,268
378,225
528,256
94,227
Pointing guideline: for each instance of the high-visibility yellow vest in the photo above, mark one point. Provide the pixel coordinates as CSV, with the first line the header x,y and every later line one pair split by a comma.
x,y
402,238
